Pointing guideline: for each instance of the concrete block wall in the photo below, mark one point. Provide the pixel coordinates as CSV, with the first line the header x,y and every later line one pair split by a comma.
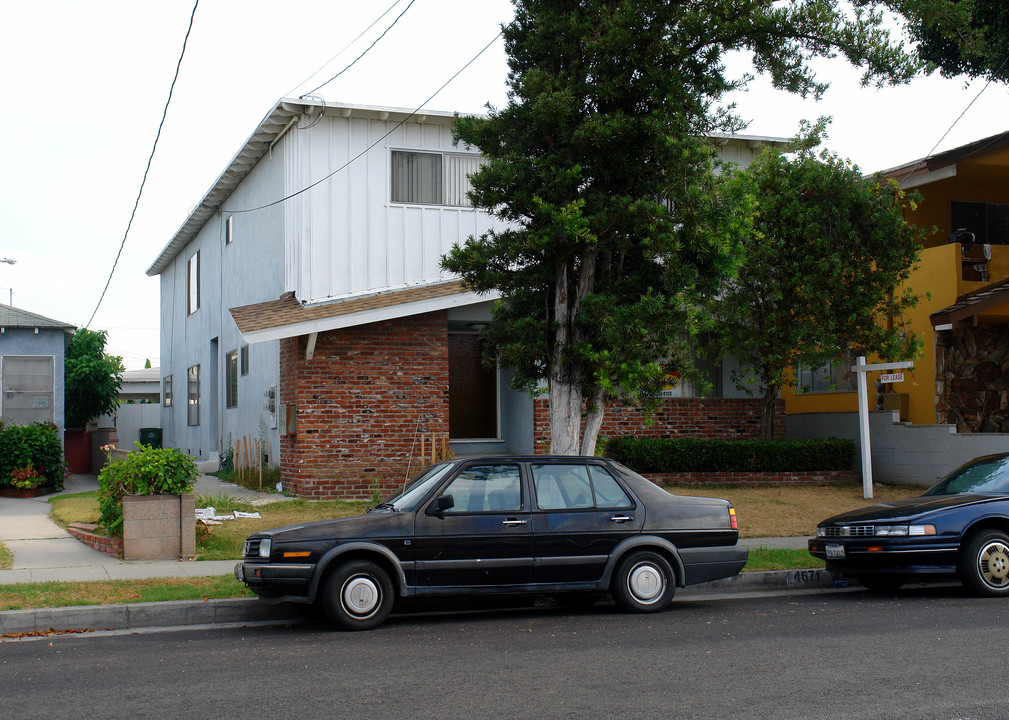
x,y
159,527
902,453
362,402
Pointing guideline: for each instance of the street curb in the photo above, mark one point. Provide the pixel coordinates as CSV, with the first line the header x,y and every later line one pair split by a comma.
x,y
180,613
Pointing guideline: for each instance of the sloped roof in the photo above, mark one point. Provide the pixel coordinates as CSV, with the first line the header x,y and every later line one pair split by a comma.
x,y
13,317
287,317
942,165
967,308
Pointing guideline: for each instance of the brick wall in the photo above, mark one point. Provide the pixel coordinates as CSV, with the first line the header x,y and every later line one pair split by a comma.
x,y
363,401
722,418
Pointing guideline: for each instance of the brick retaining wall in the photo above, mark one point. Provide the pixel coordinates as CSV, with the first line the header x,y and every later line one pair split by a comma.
x,y
85,532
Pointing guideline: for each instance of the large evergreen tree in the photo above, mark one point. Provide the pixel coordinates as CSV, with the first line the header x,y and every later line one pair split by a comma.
x,y
603,163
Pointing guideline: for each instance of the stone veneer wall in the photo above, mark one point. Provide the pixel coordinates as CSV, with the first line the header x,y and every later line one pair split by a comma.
x,y
711,418
972,378
363,401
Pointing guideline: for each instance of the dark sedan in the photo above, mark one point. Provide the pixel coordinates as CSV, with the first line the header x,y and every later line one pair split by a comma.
x,y
958,528
574,527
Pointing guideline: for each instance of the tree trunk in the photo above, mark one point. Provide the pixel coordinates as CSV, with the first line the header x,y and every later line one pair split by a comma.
x,y
767,410
565,417
593,422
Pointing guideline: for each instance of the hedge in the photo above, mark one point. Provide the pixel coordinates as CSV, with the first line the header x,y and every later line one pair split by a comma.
x,y
670,455
37,446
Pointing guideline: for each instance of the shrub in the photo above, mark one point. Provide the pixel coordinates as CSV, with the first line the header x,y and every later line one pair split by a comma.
x,y
669,455
145,471
34,447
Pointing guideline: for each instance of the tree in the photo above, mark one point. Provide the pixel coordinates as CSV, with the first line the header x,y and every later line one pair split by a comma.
x,y
823,270
969,37
603,165
91,379
147,365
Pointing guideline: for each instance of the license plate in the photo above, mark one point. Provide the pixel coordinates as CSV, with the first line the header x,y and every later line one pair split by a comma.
x,y
835,552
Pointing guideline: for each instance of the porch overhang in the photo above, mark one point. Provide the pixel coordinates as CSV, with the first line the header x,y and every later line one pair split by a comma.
x,y
288,317
989,304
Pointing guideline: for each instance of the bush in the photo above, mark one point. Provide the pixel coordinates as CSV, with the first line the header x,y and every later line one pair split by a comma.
x,y
662,455
31,451
145,471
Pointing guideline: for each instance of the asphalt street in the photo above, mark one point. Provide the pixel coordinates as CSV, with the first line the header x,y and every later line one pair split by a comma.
x,y
930,653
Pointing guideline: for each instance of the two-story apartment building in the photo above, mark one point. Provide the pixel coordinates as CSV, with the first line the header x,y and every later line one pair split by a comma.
x,y
303,302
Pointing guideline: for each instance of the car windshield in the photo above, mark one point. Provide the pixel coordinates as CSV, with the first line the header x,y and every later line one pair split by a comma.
x,y
417,488
988,475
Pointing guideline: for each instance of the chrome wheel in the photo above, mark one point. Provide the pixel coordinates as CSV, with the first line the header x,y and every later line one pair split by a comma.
x,y
360,596
643,582
993,564
646,583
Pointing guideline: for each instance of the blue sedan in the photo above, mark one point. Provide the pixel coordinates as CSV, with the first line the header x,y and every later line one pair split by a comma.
x,y
958,528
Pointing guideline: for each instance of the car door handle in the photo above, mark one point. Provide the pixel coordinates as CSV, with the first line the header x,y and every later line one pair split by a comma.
x,y
512,521
620,518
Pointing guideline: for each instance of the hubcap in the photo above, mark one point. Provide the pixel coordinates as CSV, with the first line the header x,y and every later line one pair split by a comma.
x,y
646,583
361,596
993,564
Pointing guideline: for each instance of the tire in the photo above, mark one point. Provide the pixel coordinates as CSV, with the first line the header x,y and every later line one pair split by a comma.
x,y
984,564
358,596
644,582
882,583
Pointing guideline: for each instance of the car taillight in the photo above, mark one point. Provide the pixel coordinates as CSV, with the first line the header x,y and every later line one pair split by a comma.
x,y
732,518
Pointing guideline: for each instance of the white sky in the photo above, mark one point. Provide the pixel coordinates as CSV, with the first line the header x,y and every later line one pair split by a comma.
x,y
85,81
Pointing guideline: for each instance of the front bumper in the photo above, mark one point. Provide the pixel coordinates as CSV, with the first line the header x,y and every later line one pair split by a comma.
x,y
877,556
282,581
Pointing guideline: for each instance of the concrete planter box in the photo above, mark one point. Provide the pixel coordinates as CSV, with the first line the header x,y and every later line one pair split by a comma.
x,y
159,527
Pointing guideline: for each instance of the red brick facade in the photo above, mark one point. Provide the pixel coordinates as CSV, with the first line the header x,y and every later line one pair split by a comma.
x,y
373,394
363,401
710,418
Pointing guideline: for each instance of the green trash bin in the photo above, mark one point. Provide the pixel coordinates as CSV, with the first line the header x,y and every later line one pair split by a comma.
x,y
150,436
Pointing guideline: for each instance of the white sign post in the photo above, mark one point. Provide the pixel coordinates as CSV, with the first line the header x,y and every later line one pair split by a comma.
x,y
861,368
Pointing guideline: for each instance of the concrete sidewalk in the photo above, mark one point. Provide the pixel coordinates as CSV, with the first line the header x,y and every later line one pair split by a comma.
x,y
45,552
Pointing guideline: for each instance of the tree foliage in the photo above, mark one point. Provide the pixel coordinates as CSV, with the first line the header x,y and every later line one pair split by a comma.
x,y
969,37
92,378
823,271
604,166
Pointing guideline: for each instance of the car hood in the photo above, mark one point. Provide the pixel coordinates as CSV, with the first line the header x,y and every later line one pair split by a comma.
x,y
376,524
905,509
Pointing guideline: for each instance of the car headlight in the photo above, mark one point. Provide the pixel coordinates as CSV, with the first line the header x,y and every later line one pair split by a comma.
x,y
264,548
904,530
821,531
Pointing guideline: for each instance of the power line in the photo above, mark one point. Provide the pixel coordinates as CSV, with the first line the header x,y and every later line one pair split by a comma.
x,y
345,48
368,149
133,214
365,50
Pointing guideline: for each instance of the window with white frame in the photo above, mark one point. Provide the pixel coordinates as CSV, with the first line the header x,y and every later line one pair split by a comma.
x,y
28,384
231,379
193,282
166,392
834,376
193,399
430,178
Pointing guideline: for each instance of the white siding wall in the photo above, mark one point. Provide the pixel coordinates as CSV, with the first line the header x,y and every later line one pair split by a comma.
x,y
345,236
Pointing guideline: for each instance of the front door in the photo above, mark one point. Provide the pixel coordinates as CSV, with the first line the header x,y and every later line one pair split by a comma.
x,y
481,536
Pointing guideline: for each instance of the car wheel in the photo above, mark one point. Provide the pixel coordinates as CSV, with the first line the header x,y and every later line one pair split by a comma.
x,y
358,595
984,564
644,582
881,583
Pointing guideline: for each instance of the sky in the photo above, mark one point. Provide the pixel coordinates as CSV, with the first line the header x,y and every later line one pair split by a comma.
x,y
85,83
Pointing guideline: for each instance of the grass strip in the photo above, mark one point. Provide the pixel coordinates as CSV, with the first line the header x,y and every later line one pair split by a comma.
x,y
23,596
762,558
6,559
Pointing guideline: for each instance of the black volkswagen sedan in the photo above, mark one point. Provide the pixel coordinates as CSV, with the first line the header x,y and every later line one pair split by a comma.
x,y
959,527
574,527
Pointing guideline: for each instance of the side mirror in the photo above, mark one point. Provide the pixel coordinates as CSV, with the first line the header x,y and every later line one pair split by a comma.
x,y
442,503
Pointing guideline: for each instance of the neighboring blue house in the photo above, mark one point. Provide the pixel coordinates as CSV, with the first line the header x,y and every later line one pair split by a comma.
x,y
31,367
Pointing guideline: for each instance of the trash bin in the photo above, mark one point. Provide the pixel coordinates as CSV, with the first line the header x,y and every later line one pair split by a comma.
x,y
150,436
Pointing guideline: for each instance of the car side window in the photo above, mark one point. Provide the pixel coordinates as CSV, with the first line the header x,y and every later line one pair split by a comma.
x,y
607,491
486,488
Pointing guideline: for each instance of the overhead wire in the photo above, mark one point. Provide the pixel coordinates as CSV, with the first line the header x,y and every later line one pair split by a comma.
x,y
393,129
150,158
375,42
345,49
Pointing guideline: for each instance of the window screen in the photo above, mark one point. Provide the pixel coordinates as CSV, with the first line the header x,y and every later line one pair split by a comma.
x,y
28,383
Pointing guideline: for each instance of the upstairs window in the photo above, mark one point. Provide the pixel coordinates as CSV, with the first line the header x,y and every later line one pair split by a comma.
x,y
987,222
231,379
245,359
229,230
425,178
166,392
193,377
193,282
